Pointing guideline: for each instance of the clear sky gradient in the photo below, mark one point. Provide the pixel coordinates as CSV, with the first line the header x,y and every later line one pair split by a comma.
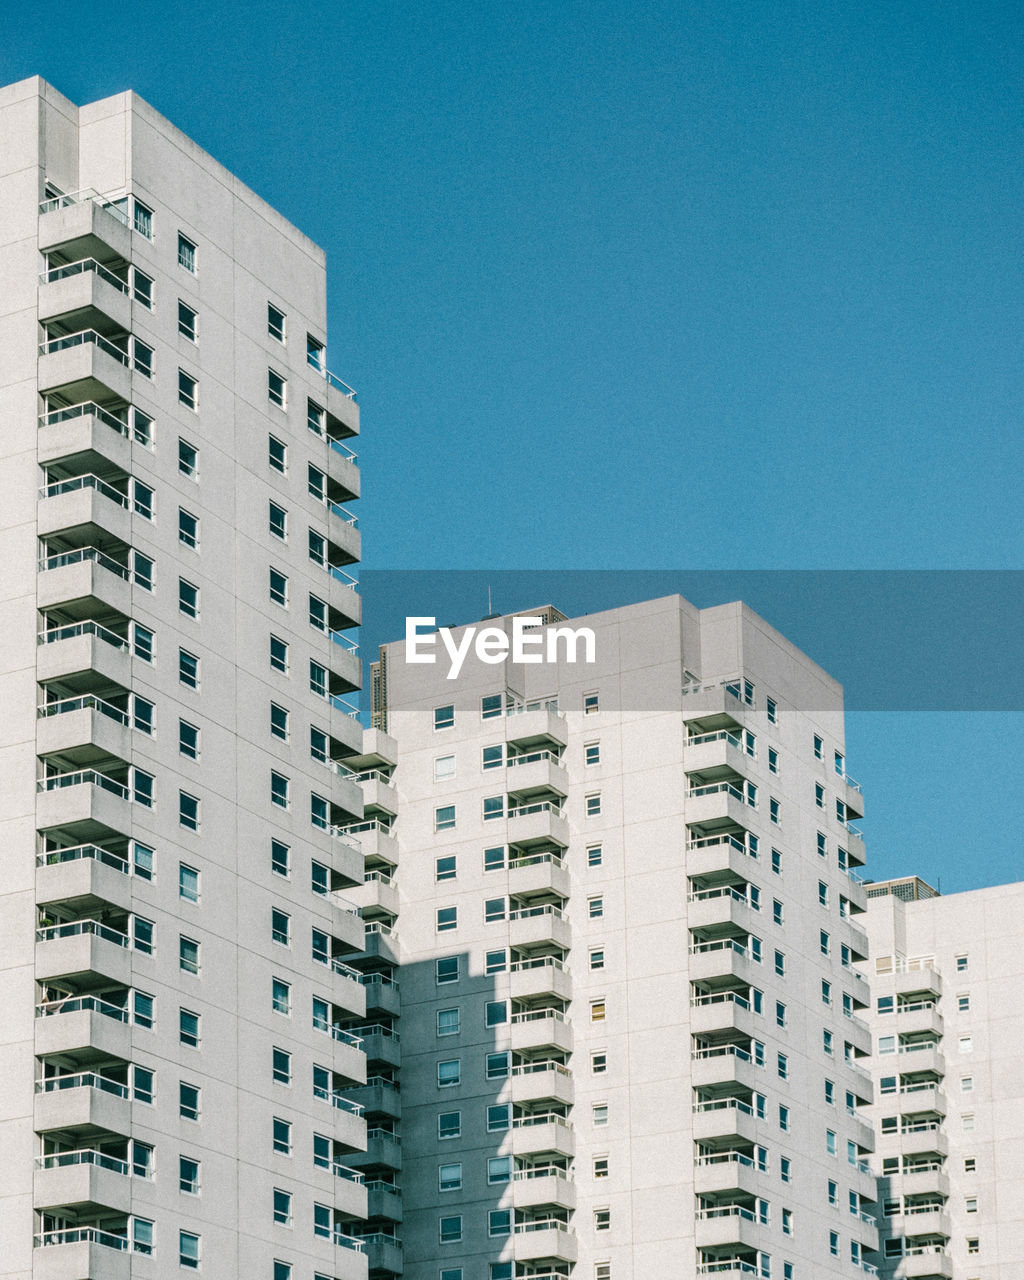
x,y
634,286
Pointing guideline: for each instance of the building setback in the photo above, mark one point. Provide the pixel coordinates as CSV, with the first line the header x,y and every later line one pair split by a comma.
x,y
629,921
175,1051
949,1100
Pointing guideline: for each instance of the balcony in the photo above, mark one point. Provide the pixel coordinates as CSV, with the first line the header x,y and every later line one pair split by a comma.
x,y
722,751
376,841
727,1121
77,648
535,726
717,908
87,1179
929,1262
709,707
77,1023
85,729
535,774
850,793
344,599
84,504
348,1190
384,1253
924,1097
918,980
348,1128
533,1082
721,958
380,942
343,474
726,1171
539,822
378,1097
93,803
546,1134
543,1240
84,579
533,874
84,224
545,976
88,432
718,857
383,1200
347,925
86,293
78,1253
921,1220
926,1179
718,804
84,951
378,790
380,1044
725,1064
378,894
383,1151
533,1188
924,1057
82,877
915,1140
383,994
85,366
730,1224
540,1029
87,1100
722,1011
543,925
915,1016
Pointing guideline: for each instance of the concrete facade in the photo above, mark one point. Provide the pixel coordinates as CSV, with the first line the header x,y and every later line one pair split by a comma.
x,y
173,1058
628,911
949,1102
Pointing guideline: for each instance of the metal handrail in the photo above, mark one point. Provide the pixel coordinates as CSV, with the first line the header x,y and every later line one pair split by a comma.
x,y
72,629
548,909
87,1155
540,806
78,268
88,408
87,195
90,481
82,1080
81,1235
536,1015
54,857
333,380
77,928
77,1004
79,339
86,702
58,780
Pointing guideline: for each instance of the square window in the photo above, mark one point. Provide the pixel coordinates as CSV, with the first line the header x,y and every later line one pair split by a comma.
x,y
495,961
188,1100
498,1065
499,1169
973,1244
495,1013
449,1073
598,1063
494,859
282,1136
444,867
492,757
446,969
282,1066
444,717
188,1028
600,1167
447,919
449,1177
444,768
499,1117
188,955
277,455
448,1022
276,322
499,1222
449,1124
449,1230
277,388
491,705
591,704
494,909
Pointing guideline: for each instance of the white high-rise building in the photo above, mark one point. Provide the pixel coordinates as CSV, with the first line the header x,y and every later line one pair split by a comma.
x,y
175,602
628,919
948,1025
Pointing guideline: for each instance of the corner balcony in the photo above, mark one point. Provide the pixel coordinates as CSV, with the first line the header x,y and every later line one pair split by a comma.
x,y
917,980
535,774
79,647
342,409
723,750
380,942
344,599
709,707
83,951
376,841
543,1240
87,1100
88,292
383,1151
545,976
540,1029
75,1024
384,1254
347,924
919,1058
539,822
726,1121
83,876
88,801
79,1253
343,474
928,1262
543,925
85,366
928,1220
378,1097
383,1200
84,579
378,791
924,1097
725,1064
717,804
532,874
533,1082
101,435
84,224
915,1140
718,856
348,1128
86,505
726,1171
716,908
347,1191
731,1224
87,1179
87,728
378,894
534,1188
381,1045
850,793
545,1134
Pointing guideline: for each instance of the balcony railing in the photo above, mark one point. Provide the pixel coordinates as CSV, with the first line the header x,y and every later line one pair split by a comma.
x,y
382,1135
81,777
339,1101
78,1004
726,891
541,806
378,1029
540,1171
88,408
80,928
532,1068
538,704
337,1033
83,338
73,629
534,859
81,1235
718,944
722,736
64,1159
541,1224
84,482
535,1015
722,1051
333,380
720,997
85,196
547,909
725,1157
83,1080
520,966
713,788
532,757
723,1104
87,702
728,1211
81,555
544,1117
732,1266
708,842
78,268
54,857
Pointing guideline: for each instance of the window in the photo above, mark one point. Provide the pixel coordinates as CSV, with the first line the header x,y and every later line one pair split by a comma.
x,y
278,521
281,996
973,1244
280,926
597,958
822,893
276,322
280,858
282,1207
188,598
494,807
961,964
491,705
495,1013
188,1028
785,1169
188,1176
188,1100
498,1065
447,1022
826,991
773,711
188,1250
279,587
963,1004
446,1273
188,955
449,1230
591,704
778,911
446,969
277,455
315,353
494,859
598,1063
282,1136
819,795
282,1066
592,804
970,1164
599,1114
278,722
828,1041
188,669
499,1222
143,1085
784,1118
780,964
188,811
447,919
595,908
316,483
444,867
188,391
444,768
495,961
280,789
780,1013
966,1044
449,1124
188,321
830,1092
277,388
602,1219
594,855
833,1243
494,909
597,1011
444,717
283,1270
774,810
592,753
499,1169
819,748
492,757
499,1117
833,1192
188,882
449,1073
600,1167
317,548
449,1177
830,1142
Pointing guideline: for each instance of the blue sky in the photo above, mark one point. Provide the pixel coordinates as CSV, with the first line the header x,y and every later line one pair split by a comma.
x,y
674,285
